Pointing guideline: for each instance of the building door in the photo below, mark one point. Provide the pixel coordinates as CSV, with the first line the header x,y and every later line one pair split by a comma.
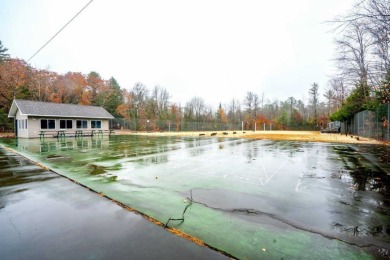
x,y
16,128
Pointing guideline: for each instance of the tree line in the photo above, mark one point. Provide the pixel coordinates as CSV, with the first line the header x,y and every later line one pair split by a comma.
x,y
140,103
362,40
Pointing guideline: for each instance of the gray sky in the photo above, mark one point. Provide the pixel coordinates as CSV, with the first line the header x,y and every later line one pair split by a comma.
x,y
215,49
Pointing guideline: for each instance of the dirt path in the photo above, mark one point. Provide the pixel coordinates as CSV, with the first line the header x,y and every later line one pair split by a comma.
x,y
305,136
6,135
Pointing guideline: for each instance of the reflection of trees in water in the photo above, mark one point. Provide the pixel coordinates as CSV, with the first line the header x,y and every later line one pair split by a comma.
x,y
16,175
195,146
286,147
252,153
367,179
132,146
196,151
198,142
163,158
365,175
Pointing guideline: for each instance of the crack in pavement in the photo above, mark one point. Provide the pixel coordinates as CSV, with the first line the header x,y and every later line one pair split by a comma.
x,y
278,218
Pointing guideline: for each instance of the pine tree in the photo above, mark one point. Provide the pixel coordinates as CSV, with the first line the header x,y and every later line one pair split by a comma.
x,y
3,55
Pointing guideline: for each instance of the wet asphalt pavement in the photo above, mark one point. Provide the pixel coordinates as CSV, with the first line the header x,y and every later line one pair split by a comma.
x,y
45,216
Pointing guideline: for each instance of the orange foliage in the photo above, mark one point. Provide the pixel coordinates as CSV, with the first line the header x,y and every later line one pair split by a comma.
x,y
123,110
322,121
222,116
261,119
13,75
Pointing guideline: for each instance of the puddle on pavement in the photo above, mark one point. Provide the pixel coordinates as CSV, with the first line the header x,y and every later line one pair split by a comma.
x,y
250,198
16,175
45,216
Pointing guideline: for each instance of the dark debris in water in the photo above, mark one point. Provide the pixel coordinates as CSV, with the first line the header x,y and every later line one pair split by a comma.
x,y
368,230
312,175
54,157
96,170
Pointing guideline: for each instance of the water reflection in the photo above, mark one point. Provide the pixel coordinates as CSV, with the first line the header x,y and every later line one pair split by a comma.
x,y
364,175
16,173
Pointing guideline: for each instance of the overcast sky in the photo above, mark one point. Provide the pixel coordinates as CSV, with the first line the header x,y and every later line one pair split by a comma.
x,y
215,49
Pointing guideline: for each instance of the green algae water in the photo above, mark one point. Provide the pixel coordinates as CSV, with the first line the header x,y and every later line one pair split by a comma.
x,y
249,198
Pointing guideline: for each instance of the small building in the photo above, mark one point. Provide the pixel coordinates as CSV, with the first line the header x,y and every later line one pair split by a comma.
x,y
34,118
332,127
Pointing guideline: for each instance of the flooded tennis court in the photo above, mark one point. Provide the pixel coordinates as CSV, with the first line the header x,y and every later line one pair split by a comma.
x,y
249,198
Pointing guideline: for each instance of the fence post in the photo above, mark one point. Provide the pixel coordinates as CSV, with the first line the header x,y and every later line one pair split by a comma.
x,y
388,118
377,123
359,121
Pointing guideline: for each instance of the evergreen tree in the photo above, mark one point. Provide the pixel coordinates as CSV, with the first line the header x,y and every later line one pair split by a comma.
x,y
114,98
3,55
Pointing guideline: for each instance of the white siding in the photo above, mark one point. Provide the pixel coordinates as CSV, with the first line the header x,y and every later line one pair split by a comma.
x,y
22,128
34,126
105,124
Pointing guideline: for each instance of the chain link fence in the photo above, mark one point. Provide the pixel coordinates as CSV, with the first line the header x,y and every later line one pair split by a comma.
x,y
372,124
167,126
164,125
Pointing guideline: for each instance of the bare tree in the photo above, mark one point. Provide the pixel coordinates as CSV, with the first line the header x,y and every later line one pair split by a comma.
x,y
252,103
140,92
313,91
160,99
248,102
380,32
330,98
354,47
377,11
232,111
339,89
256,103
373,19
195,108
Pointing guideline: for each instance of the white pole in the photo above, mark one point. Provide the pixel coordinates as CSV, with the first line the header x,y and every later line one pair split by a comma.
x,y
264,126
255,126
242,125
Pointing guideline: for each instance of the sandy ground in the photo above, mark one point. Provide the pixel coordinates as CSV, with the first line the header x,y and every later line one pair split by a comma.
x,y
6,135
305,136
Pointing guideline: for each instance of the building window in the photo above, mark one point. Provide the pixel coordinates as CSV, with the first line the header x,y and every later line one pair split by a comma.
x,y
48,124
25,123
96,124
82,124
66,124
